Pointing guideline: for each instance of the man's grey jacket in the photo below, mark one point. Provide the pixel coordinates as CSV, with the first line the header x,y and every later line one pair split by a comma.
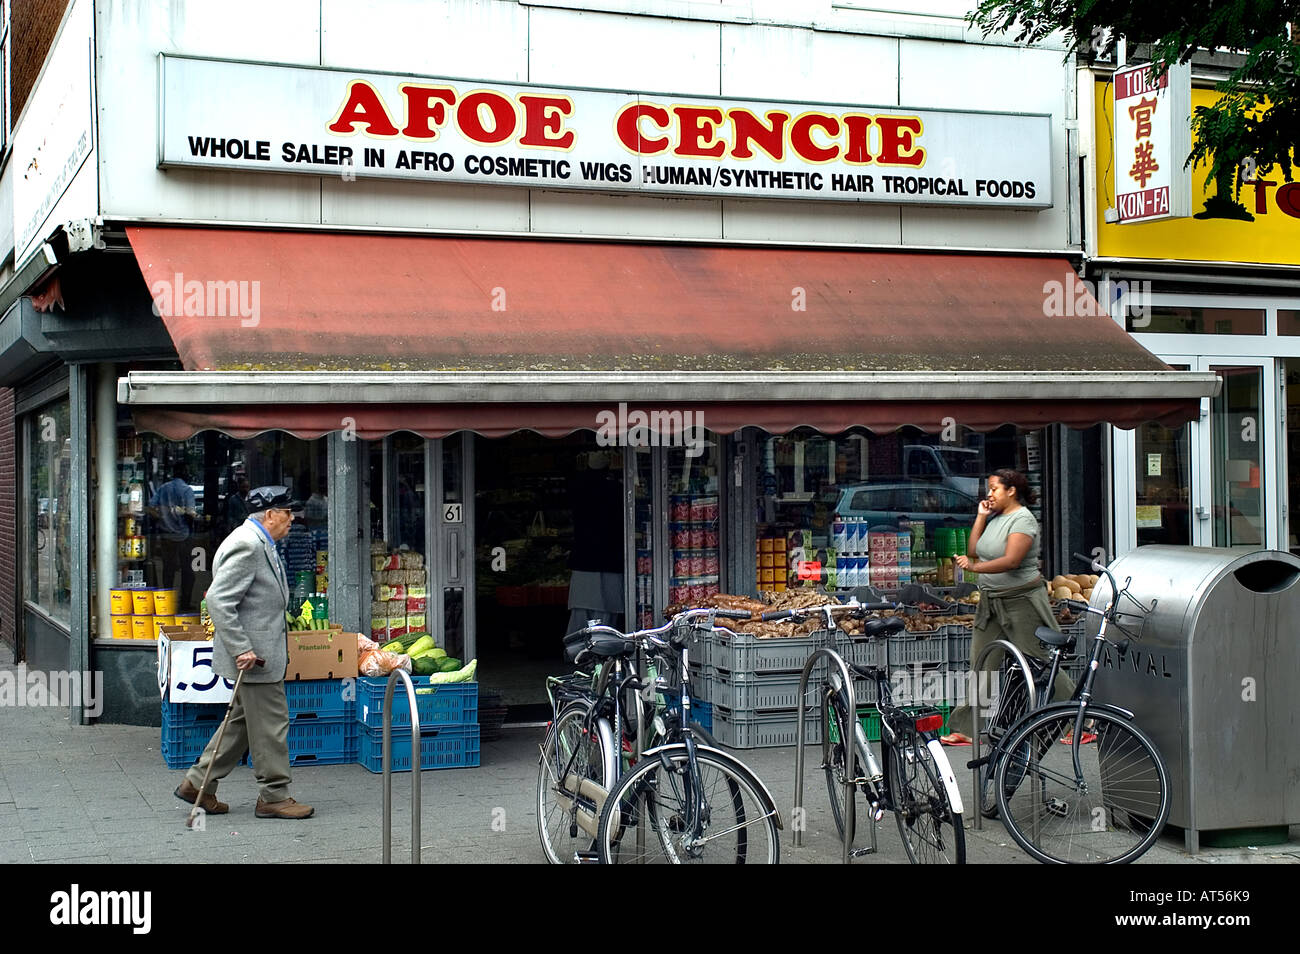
x,y
247,602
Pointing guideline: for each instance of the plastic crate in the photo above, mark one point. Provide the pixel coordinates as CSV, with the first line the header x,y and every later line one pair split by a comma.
x,y
959,647
756,730
702,713
860,652
919,684
748,690
440,747
449,704
321,699
905,650
744,652
868,716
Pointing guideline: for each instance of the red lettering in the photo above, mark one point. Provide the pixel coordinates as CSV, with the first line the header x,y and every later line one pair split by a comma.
x,y
857,149
801,140
543,115
1288,199
426,109
897,145
470,119
1261,194
363,106
749,128
628,128
694,137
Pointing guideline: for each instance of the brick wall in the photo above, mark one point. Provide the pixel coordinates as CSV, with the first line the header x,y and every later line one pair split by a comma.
x,y
8,518
32,26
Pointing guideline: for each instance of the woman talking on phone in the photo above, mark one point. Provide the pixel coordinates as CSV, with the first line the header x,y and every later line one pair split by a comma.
x,y
1003,549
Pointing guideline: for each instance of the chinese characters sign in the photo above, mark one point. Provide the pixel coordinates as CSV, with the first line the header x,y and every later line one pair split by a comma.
x,y
1152,139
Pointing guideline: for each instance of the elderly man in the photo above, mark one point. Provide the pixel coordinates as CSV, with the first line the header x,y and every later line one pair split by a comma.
x,y
247,602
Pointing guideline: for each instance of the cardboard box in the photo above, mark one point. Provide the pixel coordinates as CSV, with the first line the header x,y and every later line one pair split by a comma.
x,y
322,654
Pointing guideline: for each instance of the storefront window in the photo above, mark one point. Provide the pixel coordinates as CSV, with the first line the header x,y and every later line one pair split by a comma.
x,y
1288,323
1236,425
827,504
177,502
695,521
49,509
1187,320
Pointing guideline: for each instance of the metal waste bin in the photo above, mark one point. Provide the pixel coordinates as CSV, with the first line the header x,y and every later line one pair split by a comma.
x,y
1213,679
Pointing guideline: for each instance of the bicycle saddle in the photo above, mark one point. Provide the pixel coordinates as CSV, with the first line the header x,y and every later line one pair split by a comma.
x,y
1051,637
882,627
608,647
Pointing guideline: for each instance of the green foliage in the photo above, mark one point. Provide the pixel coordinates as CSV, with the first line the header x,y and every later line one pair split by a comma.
x,y
1257,119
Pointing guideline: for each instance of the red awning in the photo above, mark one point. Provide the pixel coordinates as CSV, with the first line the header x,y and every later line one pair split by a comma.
x,y
371,422
266,301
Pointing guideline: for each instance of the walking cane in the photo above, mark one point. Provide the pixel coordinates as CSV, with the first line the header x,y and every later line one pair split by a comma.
x,y
198,799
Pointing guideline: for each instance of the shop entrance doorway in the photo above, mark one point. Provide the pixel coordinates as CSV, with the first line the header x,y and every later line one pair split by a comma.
x,y
548,525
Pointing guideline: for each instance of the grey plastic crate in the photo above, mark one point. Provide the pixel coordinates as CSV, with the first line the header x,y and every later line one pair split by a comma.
x,y
959,644
920,683
910,648
743,652
749,691
759,730
861,652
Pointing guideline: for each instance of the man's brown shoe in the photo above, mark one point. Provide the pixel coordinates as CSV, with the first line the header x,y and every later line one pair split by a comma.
x,y
285,809
187,793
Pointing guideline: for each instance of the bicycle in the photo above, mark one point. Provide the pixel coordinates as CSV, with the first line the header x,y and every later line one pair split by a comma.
x,y
1098,789
686,801
1013,703
591,737
916,782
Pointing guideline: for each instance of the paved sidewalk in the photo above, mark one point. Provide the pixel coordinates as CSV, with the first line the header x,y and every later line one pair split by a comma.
x,y
102,794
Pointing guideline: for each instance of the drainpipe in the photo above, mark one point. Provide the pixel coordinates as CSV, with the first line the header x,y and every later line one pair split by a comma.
x,y
105,493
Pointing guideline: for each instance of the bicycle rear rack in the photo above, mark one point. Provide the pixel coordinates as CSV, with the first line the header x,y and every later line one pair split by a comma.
x,y
799,818
388,767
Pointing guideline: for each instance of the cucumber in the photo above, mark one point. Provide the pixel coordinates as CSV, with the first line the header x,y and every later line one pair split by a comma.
x,y
393,646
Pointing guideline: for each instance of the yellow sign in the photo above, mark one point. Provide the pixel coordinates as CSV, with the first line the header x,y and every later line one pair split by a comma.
x,y
1260,224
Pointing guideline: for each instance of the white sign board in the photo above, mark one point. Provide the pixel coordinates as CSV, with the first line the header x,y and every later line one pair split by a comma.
x,y
225,115
56,134
1153,137
185,673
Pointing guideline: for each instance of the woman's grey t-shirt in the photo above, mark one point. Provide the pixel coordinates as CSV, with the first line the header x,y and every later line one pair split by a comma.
x,y
993,546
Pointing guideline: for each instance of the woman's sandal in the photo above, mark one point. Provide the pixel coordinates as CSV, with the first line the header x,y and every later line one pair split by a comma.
x,y
954,738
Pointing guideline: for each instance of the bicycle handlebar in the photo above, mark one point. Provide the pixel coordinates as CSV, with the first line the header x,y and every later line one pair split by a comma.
x,y
828,608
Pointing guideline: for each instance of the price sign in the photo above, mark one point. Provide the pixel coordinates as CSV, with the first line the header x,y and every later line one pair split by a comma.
x,y
809,569
451,513
190,676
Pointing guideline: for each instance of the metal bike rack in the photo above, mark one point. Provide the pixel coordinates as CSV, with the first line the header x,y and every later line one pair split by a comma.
x,y
975,713
388,767
849,814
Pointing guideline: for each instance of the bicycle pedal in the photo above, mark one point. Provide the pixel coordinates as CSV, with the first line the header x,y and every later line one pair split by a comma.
x,y
587,857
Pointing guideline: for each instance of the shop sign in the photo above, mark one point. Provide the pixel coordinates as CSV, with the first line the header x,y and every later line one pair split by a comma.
x,y
185,673
56,134
1152,140
1238,219
268,118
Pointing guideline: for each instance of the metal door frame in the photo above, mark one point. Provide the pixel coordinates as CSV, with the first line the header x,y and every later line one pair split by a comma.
x,y
443,536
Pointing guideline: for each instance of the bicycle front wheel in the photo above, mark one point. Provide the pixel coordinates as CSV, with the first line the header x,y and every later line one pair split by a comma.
x,y
1109,812
932,832
659,814
568,817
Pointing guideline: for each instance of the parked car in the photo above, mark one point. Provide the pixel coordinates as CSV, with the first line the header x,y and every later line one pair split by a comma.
x,y
959,468
935,505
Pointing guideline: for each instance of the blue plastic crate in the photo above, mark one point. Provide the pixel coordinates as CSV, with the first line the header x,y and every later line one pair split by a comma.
x,y
321,699
440,747
452,704
702,712
323,742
